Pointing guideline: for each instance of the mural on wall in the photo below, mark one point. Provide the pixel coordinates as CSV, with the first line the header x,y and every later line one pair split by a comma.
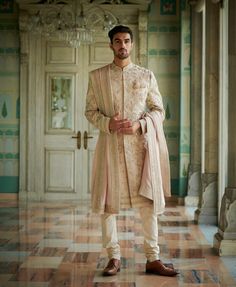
x,y
168,7
9,99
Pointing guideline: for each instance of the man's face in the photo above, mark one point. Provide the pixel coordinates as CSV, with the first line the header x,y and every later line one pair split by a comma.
x,y
121,45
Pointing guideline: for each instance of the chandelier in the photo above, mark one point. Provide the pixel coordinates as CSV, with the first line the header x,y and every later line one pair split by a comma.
x,y
73,21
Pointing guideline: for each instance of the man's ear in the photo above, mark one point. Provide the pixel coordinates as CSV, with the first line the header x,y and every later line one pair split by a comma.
x,y
111,47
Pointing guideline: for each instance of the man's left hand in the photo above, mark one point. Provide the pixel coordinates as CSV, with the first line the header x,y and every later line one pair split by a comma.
x,y
134,129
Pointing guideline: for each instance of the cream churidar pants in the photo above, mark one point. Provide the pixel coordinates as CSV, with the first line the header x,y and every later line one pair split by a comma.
x,y
150,233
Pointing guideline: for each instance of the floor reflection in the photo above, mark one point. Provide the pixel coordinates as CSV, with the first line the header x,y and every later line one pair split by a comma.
x,y
55,244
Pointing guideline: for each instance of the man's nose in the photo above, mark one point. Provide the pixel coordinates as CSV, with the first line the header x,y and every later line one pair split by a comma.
x,y
122,44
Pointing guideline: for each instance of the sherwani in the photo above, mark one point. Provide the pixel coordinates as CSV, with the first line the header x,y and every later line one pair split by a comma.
x,y
119,159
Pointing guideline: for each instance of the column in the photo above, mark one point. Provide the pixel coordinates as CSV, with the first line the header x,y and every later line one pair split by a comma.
x,y
24,75
184,144
207,209
194,172
225,238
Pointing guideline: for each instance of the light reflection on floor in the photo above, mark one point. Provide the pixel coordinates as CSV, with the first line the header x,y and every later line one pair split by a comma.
x,y
59,244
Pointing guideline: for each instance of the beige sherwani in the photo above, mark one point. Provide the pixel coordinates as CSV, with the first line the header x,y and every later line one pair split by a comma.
x,y
119,159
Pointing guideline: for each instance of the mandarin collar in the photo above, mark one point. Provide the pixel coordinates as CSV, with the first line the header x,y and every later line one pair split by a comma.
x,y
115,67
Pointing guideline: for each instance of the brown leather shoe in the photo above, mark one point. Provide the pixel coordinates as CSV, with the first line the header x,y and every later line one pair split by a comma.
x,y
170,265
112,268
158,268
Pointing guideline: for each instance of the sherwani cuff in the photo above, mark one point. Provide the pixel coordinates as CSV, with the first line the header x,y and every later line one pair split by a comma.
x,y
105,125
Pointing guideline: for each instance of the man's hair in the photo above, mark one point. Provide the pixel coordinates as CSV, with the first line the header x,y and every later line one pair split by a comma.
x,y
120,29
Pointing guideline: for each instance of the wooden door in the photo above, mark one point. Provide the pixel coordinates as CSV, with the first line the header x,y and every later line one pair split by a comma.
x,y
69,141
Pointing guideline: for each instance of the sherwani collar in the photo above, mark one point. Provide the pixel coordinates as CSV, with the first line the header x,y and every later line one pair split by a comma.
x,y
113,66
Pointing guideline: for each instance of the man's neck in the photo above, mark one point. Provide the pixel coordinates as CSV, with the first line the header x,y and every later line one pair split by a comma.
x,y
122,62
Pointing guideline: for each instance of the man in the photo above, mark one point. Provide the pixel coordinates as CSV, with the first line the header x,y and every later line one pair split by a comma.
x,y
131,167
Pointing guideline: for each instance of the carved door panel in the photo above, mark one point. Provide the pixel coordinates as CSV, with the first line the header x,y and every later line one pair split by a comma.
x,y
64,123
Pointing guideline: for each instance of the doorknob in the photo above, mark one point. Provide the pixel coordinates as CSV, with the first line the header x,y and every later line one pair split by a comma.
x,y
86,137
78,137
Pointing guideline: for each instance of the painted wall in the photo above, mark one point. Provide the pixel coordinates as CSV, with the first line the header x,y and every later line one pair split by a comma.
x,y
9,98
168,58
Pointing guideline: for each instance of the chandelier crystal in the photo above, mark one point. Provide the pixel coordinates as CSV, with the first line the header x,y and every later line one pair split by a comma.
x,y
74,22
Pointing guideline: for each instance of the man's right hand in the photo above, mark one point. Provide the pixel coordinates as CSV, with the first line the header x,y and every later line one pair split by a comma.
x,y
116,123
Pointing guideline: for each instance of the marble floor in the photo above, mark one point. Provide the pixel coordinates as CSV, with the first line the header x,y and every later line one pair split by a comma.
x,y
59,244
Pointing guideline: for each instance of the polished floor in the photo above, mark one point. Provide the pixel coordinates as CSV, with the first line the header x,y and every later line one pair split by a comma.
x,y
59,244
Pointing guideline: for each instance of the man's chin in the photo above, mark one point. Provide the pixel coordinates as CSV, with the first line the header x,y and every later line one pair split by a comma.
x,y
123,57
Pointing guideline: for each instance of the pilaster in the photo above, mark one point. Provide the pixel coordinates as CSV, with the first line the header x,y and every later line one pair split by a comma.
x,y
232,95
208,203
24,76
225,239
184,132
194,174
142,27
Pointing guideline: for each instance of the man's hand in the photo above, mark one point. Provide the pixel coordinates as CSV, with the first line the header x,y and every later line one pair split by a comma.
x,y
123,126
116,123
136,127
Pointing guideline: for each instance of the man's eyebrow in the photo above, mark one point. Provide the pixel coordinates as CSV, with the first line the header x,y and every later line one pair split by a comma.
x,y
115,39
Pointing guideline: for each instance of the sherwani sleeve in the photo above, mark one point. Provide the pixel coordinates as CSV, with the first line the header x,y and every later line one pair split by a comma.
x,y
92,111
153,101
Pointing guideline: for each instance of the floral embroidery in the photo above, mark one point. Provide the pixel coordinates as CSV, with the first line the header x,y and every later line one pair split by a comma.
x,y
130,90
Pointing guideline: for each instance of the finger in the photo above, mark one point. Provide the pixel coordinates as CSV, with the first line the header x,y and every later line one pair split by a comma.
x,y
126,125
126,131
124,122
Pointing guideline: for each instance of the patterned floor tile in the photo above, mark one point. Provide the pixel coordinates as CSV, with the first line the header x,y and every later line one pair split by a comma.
x,y
49,252
41,262
59,244
35,275
9,267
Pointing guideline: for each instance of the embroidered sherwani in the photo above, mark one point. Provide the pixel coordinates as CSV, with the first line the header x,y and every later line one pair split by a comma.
x,y
119,159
